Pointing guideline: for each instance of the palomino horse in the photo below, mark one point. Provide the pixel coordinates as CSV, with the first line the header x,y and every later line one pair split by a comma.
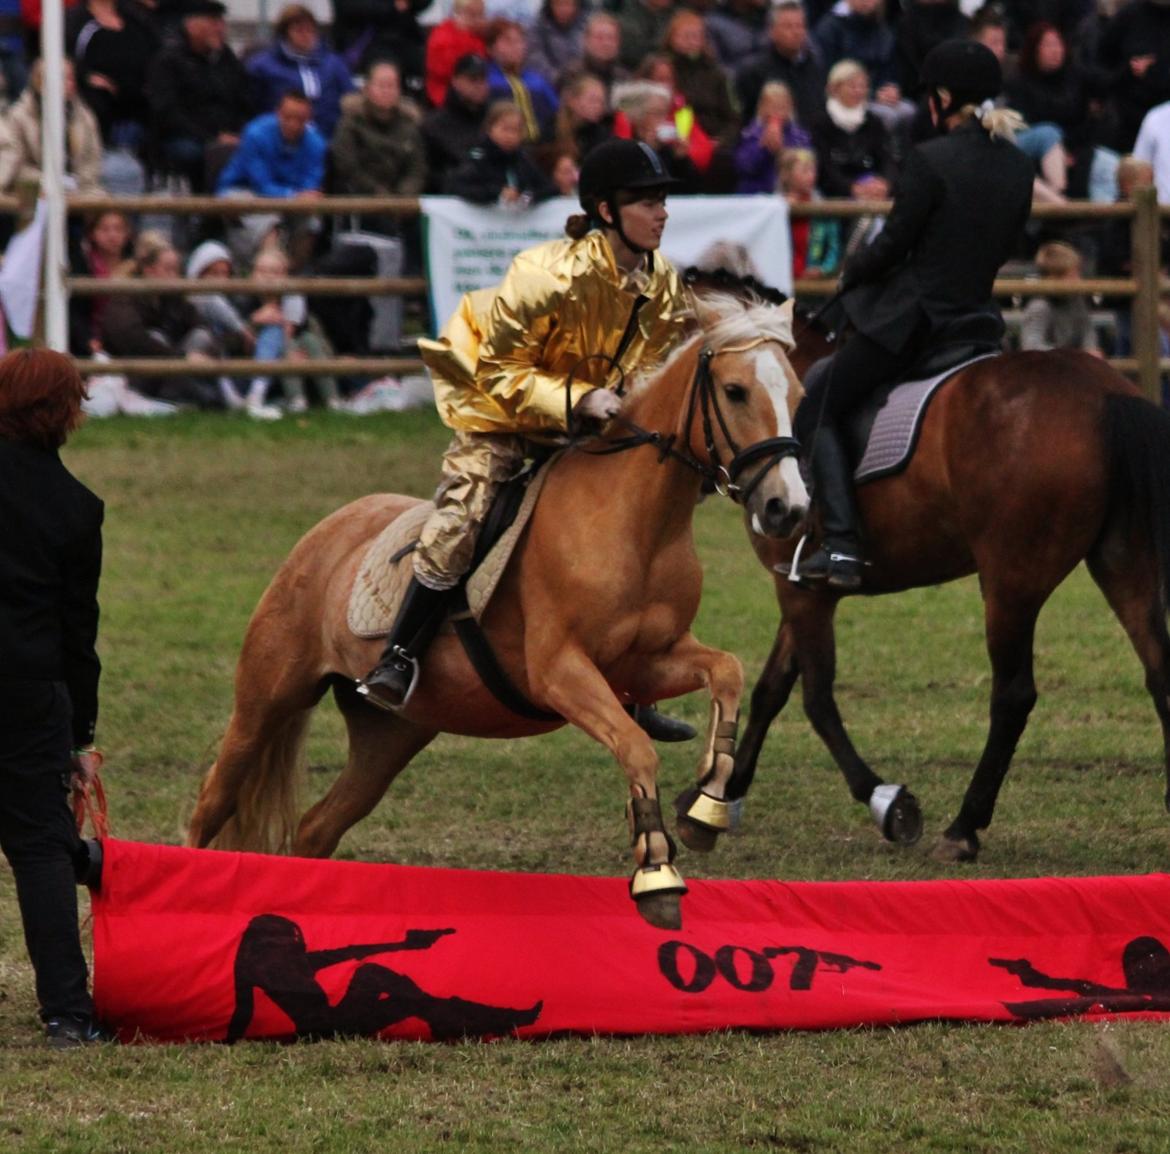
x,y
594,610
1026,464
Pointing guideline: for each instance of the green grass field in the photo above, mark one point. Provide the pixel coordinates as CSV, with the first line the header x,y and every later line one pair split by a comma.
x,y
200,512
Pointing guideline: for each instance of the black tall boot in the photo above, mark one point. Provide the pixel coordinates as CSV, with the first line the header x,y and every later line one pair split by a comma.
x,y
839,560
389,683
658,726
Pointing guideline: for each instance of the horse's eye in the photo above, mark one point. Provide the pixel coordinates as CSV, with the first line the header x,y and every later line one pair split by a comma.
x,y
736,394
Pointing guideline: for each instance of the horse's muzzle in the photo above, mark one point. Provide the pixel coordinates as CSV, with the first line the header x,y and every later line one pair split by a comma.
x,y
776,519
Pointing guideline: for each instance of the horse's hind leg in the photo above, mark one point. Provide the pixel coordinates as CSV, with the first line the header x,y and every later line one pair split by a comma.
x,y
1130,585
380,746
1010,619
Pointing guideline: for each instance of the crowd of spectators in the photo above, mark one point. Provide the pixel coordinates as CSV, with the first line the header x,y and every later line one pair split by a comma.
x,y
498,101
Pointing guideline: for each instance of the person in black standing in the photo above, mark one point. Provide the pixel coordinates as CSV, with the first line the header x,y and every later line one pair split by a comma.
x,y
960,206
50,561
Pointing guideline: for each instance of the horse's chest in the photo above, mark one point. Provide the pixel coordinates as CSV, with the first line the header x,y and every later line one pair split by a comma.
x,y
669,606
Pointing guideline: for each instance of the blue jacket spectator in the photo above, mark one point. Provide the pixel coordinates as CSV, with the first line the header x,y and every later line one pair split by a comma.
x,y
280,154
299,62
510,79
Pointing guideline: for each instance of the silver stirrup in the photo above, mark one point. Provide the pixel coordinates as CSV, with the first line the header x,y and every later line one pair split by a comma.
x,y
363,689
791,569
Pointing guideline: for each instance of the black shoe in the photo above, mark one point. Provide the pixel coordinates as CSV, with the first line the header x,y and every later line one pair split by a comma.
x,y
838,570
68,1032
388,685
87,863
658,726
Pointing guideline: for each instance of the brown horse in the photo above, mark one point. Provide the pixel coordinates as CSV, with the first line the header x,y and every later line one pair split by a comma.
x,y
594,610
1026,464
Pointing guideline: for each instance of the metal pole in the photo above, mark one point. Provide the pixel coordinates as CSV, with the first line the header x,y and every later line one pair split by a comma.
x,y
53,173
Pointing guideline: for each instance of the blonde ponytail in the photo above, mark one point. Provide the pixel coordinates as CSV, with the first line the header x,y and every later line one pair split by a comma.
x,y
999,123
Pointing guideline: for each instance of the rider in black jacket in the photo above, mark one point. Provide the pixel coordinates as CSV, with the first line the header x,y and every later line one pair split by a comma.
x,y
960,206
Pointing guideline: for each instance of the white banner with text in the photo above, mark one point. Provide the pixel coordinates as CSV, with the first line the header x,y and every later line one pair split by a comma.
x,y
470,247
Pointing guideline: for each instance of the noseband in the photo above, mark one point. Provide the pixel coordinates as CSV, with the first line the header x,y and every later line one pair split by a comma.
x,y
704,401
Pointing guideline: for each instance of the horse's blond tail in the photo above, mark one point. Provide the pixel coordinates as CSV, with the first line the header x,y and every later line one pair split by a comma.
x,y
267,803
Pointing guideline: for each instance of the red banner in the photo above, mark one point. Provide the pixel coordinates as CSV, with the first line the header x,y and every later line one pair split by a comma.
x,y
197,944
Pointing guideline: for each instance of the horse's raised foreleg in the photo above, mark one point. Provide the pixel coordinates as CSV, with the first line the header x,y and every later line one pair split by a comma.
x,y
380,746
1011,627
574,687
704,811
1130,584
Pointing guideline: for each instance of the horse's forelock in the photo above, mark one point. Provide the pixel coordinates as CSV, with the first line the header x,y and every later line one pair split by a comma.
x,y
728,320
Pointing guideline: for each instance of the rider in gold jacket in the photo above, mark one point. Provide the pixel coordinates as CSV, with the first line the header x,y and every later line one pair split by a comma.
x,y
535,358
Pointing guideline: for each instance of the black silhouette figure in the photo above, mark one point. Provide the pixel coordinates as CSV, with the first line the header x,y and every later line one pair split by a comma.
x,y
272,957
1145,962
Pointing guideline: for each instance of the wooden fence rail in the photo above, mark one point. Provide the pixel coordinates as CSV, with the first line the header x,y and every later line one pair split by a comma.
x,y
1143,288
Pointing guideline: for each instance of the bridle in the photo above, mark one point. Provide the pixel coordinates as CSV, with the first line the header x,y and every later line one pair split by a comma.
x,y
703,402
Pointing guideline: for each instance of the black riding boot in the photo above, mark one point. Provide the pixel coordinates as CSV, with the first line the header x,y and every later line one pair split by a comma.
x,y
658,726
389,682
839,560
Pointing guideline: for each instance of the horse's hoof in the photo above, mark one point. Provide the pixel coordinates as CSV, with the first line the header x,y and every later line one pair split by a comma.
x,y
702,818
955,849
897,813
662,910
700,838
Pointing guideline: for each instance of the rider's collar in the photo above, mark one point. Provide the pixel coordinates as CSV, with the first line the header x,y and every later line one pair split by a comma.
x,y
637,280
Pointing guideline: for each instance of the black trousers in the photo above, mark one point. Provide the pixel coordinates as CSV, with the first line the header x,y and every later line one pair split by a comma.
x,y
39,838
836,385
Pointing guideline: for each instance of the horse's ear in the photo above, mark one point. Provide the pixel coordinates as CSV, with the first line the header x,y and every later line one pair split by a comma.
x,y
784,324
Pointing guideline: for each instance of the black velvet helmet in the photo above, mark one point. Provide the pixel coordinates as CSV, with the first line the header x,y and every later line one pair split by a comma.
x,y
969,70
619,164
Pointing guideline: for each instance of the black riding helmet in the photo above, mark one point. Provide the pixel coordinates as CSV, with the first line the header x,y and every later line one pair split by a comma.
x,y
968,70
616,166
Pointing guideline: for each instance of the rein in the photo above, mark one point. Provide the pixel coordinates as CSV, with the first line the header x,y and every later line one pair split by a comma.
x,y
723,479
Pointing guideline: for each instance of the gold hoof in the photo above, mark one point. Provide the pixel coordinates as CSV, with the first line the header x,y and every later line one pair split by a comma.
x,y
713,812
656,879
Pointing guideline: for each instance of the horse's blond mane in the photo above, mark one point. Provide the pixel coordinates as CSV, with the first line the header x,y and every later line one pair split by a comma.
x,y
728,320
725,320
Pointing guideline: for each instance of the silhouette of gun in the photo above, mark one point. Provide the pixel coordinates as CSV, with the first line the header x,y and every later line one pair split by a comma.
x,y
807,960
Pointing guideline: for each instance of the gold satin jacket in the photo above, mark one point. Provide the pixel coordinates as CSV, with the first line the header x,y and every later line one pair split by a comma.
x,y
501,363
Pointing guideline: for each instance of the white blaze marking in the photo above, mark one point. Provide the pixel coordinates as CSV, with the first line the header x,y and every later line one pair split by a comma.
x,y
770,373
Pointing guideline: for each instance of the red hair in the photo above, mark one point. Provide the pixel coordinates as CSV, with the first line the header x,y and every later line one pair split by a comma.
x,y
40,397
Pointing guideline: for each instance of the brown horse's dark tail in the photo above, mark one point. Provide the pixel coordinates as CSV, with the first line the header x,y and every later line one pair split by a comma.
x,y
1138,443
